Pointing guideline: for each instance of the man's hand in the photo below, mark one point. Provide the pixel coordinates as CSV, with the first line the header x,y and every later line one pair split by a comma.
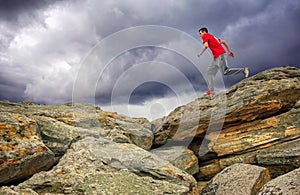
x,y
227,47
199,54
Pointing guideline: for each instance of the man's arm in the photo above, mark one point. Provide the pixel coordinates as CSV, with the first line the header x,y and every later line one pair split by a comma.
x,y
205,46
227,47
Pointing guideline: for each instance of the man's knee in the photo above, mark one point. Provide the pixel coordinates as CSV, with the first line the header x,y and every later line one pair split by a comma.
x,y
212,71
226,72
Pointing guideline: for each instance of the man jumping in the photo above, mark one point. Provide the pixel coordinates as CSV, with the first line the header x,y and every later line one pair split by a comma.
x,y
219,62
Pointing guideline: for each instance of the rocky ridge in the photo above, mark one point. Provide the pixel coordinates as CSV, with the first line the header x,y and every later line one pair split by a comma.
x,y
244,140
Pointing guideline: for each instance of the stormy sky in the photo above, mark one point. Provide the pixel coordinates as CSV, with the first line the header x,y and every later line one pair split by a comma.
x,y
136,57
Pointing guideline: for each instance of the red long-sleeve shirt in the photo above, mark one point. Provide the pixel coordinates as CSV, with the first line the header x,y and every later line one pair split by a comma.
x,y
214,44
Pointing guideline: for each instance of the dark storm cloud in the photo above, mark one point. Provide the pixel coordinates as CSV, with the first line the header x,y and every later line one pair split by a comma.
x,y
11,10
215,14
11,88
43,42
149,90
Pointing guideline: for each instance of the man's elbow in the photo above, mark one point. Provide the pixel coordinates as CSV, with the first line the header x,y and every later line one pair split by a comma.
x,y
223,42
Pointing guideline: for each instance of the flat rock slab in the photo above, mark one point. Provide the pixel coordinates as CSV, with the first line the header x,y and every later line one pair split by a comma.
x,y
130,157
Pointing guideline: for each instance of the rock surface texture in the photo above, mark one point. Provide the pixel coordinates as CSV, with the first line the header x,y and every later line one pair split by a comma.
x,y
288,184
245,140
22,152
238,179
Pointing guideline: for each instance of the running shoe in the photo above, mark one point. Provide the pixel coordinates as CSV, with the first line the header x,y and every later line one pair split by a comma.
x,y
246,72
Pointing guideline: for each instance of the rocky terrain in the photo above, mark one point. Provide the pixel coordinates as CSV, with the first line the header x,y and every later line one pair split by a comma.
x,y
245,140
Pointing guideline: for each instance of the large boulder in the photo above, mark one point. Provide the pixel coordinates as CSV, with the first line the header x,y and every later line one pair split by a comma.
x,y
135,159
93,120
56,135
22,152
83,170
238,125
273,142
88,119
52,129
288,184
281,158
264,95
257,134
238,179
129,130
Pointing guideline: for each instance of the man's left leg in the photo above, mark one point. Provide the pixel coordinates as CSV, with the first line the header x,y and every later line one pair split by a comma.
x,y
231,71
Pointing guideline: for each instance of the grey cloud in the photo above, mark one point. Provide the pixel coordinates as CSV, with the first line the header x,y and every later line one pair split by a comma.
x,y
11,87
18,14
12,10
